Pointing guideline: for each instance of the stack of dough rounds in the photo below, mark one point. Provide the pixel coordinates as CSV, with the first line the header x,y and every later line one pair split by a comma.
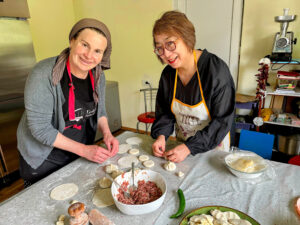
x,y
148,163
134,151
169,166
104,182
110,168
143,158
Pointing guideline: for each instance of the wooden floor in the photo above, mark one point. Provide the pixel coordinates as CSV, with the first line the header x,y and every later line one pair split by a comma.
x,y
11,190
18,185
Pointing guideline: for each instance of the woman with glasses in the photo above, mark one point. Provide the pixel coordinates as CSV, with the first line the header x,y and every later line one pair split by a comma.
x,y
196,92
65,105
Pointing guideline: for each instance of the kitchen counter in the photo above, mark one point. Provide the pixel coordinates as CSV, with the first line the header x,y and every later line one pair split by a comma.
x,y
268,199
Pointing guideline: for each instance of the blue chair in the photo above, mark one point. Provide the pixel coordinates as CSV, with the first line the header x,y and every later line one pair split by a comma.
x,y
260,143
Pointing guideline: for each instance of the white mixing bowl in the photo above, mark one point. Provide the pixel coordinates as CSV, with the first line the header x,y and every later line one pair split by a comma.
x,y
258,162
146,175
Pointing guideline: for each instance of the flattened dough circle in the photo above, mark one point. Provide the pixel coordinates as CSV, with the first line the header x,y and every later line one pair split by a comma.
x,y
64,191
104,182
103,198
134,141
148,163
126,161
143,158
134,151
123,148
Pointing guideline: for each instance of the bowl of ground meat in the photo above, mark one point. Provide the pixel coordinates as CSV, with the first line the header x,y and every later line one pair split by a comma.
x,y
147,197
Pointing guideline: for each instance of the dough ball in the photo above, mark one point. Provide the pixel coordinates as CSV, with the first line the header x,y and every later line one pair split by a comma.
x,y
73,201
245,165
104,182
116,173
123,148
103,198
143,158
64,191
110,168
126,161
134,151
61,218
180,174
148,163
134,141
169,166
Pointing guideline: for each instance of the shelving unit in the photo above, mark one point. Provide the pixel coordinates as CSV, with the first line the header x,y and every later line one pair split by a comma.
x,y
272,91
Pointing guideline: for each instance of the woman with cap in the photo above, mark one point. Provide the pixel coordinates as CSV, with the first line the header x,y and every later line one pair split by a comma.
x,y
196,92
65,104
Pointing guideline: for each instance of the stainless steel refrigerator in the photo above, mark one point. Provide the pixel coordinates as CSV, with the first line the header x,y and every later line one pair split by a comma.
x,y
16,61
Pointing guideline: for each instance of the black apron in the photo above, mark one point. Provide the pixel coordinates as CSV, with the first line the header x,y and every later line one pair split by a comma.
x,y
78,128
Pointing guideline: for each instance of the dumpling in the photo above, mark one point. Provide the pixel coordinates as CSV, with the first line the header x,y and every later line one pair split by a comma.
x,y
202,219
239,222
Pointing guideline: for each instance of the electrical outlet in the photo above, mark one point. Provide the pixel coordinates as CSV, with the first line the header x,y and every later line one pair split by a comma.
x,y
145,82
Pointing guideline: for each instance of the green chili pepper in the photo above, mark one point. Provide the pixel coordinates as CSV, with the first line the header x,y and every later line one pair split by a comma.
x,y
181,204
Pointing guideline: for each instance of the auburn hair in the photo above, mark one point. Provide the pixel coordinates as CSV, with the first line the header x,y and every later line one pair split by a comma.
x,y
175,23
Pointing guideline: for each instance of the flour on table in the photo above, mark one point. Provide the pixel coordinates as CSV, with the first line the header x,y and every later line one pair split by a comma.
x,y
123,148
143,158
148,163
134,141
110,168
104,182
134,151
169,166
64,191
126,161
103,198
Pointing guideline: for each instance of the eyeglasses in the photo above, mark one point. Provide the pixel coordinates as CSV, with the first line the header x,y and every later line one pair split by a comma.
x,y
170,46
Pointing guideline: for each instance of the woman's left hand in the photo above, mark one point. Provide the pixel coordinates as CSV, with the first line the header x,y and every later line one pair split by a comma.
x,y
177,154
112,144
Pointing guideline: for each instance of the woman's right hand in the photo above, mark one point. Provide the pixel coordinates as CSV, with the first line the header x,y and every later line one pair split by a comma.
x,y
96,153
159,146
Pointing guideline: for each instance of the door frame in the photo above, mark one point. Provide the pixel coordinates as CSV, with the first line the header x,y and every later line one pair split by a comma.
x,y
236,32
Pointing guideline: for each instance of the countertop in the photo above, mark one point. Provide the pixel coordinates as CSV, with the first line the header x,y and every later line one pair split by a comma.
x,y
268,199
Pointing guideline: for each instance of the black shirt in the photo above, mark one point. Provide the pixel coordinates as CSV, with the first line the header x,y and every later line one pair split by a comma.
x,y
219,93
83,94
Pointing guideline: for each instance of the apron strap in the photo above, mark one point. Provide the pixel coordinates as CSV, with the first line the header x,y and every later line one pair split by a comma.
x,y
71,104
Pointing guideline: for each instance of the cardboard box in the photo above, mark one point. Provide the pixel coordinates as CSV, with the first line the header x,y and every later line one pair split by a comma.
x,y
14,8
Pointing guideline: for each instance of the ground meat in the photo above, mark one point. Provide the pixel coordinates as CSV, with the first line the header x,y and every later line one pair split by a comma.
x,y
145,193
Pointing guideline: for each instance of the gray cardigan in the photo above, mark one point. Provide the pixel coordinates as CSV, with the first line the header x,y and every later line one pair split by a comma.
x,y
43,116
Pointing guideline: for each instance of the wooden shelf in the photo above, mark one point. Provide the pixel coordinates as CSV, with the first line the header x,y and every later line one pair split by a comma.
x,y
271,91
281,124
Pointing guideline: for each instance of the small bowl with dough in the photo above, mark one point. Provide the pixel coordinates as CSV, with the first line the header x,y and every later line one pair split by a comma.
x,y
245,164
146,175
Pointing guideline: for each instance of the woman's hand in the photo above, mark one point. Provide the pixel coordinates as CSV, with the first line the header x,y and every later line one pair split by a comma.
x,y
177,154
111,143
96,153
159,146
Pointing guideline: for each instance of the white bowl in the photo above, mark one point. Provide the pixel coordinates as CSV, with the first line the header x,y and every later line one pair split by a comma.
x,y
259,164
147,175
